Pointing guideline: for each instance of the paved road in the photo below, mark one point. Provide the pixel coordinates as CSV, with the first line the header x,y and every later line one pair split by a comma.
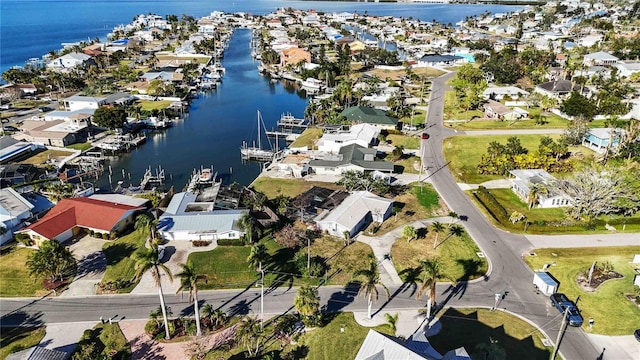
x,y
507,270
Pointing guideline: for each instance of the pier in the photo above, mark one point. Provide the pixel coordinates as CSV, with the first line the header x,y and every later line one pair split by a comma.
x,y
151,178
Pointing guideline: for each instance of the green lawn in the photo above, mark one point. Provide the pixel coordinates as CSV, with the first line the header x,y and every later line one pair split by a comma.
x,y
407,164
308,138
417,119
330,343
452,111
227,267
465,152
289,187
470,327
410,208
106,340
13,340
612,312
80,146
42,157
14,275
119,254
149,105
458,255
409,142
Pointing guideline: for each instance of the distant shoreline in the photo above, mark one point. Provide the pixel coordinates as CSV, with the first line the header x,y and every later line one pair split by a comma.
x,y
452,2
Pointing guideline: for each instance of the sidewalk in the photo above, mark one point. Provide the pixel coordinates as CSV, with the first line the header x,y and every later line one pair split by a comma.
x,y
583,240
142,347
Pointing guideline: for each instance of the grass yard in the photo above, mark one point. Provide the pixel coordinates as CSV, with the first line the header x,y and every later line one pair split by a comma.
x,y
612,312
308,138
471,327
106,340
41,157
417,119
397,74
149,105
464,153
330,343
227,267
119,254
80,146
452,110
458,255
272,187
409,142
13,340
411,208
14,275
409,164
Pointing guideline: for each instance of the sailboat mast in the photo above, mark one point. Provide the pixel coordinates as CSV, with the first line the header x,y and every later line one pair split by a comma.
x,y
259,142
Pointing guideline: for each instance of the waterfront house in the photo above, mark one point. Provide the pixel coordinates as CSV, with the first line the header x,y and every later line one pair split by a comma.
x,y
11,149
601,139
14,209
525,179
628,68
69,216
350,157
55,132
334,139
293,56
599,58
70,61
78,102
367,115
187,220
354,214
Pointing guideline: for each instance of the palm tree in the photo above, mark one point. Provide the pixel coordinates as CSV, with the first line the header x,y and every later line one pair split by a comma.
x,y
147,259
257,256
368,286
142,222
247,223
51,260
307,301
437,227
250,334
431,269
189,281
534,194
392,320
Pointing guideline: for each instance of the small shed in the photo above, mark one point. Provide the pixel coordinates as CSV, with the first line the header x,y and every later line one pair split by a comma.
x,y
545,283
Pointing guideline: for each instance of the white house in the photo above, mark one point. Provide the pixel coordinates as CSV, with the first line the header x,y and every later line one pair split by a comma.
x,y
14,209
354,213
525,179
626,69
499,92
188,220
361,134
68,61
78,102
599,58
350,157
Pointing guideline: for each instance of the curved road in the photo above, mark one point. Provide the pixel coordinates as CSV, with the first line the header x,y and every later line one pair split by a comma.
x,y
508,272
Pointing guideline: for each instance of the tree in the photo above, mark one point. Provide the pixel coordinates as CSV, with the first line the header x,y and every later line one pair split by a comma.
x,y
142,222
368,287
454,230
431,272
516,217
392,320
147,260
307,302
438,227
110,117
52,260
216,317
251,336
535,191
358,180
397,152
288,236
257,256
579,106
410,233
189,281
247,223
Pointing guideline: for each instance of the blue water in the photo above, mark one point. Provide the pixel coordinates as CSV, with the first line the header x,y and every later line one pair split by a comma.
x,y
219,122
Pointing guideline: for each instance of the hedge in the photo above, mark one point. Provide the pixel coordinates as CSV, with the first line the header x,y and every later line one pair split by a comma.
x,y
230,242
493,206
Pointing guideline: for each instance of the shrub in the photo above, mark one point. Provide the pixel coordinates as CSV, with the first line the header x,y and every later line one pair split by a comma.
x,y
198,243
152,328
491,203
24,239
230,242
105,236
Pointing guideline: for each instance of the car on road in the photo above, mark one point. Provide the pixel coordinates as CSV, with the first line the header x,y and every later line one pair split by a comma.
x,y
425,136
562,303
9,128
45,108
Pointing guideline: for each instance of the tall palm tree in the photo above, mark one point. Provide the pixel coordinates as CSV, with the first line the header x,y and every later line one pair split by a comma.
x,y
189,281
431,273
142,222
247,223
147,259
257,256
437,227
368,287
307,301
250,335
534,194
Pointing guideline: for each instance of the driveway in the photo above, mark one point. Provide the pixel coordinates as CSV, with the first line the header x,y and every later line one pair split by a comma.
x,y
65,336
91,266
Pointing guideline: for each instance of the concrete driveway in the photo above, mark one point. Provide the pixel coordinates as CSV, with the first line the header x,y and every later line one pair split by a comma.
x,y
91,266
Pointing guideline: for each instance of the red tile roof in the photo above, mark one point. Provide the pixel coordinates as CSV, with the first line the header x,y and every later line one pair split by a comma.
x,y
85,212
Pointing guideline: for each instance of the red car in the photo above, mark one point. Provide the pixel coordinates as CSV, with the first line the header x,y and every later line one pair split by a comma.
x,y
425,136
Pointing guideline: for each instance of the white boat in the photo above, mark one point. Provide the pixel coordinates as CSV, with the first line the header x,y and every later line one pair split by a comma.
x,y
312,84
256,152
205,175
157,123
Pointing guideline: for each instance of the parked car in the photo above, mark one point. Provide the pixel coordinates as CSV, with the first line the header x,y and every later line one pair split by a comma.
x,y
45,109
561,302
161,249
9,128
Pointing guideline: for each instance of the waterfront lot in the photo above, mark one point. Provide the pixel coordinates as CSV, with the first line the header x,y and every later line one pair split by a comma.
x,y
308,138
272,187
612,312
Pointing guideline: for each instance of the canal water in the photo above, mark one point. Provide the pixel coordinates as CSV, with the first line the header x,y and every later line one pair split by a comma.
x,y
211,135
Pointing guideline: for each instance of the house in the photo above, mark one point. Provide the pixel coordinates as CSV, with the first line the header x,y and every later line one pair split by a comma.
x,y
38,353
440,60
14,209
78,102
354,214
293,56
361,134
69,61
11,149
499,92
56,132
375,117
189,220
558,89
599,58
350,157
496,110
377,346
525,179
69,216
626,69
600,139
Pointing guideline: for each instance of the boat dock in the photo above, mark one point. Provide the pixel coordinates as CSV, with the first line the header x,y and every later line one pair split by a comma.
x,y
151,178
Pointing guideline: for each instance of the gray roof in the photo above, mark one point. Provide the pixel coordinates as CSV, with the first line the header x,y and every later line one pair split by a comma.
x,y
219,221
354,154
364,114
354,208
377,346
179,202
121,199
601,55
12,203
440,58
38,353
559,86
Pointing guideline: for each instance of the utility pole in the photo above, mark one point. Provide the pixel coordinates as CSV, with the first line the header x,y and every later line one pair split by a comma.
x,y
563,327
261,297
